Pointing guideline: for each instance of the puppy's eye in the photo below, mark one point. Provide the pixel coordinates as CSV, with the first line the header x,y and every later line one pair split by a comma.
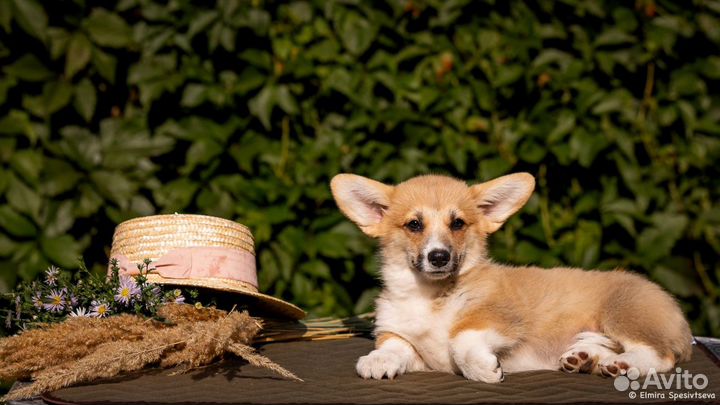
x,y
457,224
414,226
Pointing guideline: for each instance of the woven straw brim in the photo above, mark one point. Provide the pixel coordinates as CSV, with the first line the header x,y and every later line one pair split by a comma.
x,y
275,305
152,237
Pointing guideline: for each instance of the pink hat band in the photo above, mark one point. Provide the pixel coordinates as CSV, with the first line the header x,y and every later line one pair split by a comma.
x,y
197,263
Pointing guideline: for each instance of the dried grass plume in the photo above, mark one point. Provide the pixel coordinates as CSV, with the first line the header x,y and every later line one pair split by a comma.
x,y
81,350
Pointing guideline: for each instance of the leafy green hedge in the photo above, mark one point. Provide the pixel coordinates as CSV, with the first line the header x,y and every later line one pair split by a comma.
x,y
246,109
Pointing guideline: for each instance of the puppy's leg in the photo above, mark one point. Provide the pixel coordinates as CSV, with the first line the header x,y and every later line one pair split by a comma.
x,y
587,352
392,356
474,353
649,325
638,355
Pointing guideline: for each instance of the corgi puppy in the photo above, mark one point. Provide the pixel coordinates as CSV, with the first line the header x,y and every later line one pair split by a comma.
x,y
446,306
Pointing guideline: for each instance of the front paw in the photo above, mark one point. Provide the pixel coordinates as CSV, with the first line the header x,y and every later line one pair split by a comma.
x,y
380,363
479,372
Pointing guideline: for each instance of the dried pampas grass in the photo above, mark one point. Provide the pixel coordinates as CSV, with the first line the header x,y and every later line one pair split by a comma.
x,y
54,344
81,350
314,329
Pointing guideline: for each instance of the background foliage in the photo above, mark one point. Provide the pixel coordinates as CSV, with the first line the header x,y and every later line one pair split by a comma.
x,y
246,109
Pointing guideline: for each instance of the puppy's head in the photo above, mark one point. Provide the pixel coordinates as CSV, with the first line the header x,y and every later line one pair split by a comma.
x,y
436,224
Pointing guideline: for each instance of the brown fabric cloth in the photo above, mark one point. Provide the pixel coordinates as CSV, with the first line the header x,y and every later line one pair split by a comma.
x,y
328,369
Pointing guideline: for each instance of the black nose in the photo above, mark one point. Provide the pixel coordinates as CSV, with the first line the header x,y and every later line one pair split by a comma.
x,y
439,257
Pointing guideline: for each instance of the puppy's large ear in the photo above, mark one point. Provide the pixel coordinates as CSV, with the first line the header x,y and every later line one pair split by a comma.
x,y
502,197
362,200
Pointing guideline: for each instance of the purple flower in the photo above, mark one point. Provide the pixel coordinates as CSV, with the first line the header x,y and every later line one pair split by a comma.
x,y
8,320
51,275
71,299
99,309
56,301
179,299
37,300
127,291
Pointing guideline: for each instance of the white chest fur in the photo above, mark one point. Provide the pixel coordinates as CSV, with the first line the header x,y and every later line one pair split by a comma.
x,y
425,329
413,313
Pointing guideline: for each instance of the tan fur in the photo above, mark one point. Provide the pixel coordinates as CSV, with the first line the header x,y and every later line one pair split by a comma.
x,y
384,337
533,313
552,305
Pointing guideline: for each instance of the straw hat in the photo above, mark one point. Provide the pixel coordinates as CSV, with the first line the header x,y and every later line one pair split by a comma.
x,y
198,251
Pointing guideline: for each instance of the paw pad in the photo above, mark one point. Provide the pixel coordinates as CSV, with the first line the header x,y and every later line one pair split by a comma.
x,y
577,362
616,368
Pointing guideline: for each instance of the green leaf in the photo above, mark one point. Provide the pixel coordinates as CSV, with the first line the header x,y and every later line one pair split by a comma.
x,y
23,199
710,26
492,168
285,100
531,152
261,105
108,29
56,95
16,224
527,253
31,17
300,12
176,195
29,68
89,202
7,246
227,38
63,251
316,268
60,220
366,302
565,124
58,42
201,22
657,241
6,15
331,244
356,33
85,99
585,147
508,75
5,85
613,102
324,51
5,177
674,23
588,239
114,186
58,177
78,54
194,95
27,163
201,152
550,56
105,64
268,271
614,36
676,282
250,79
